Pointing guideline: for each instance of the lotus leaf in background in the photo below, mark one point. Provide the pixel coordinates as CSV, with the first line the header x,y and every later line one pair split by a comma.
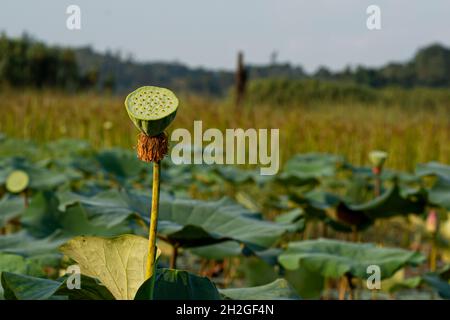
x,y
279,289
339,213
439,193
334,258
192,223
40,177
433,169
23,287
303,169
10,208
439,284
121,164
43,218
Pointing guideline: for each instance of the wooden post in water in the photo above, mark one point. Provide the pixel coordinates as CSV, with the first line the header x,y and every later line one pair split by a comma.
x,y
240,80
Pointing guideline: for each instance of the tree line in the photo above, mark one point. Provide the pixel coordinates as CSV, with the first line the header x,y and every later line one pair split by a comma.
x,y
25,62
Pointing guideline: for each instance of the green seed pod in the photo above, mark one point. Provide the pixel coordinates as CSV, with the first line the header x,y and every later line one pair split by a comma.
x,y
17,181
151,109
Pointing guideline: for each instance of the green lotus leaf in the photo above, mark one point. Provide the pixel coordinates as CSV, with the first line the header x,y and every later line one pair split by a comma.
x,y
42,249
119,262
173,284
10,208
18,264
437,283
17,181
334,258
439,194
23,287
433,168
306,169
279,289
190,223
151,109
194,223
42,218
123,164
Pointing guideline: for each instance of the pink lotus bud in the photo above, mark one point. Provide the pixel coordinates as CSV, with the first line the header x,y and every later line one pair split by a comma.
x,y
432,222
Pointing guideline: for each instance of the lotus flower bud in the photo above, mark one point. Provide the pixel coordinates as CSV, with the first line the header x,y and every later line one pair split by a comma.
x,y
377,159
432,222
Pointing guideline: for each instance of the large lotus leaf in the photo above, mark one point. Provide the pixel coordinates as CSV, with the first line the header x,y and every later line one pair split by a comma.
x,y
334,258
64,147
121,163
434,169
13,147
277,290
308,284
332,210
237,176
15,263
305,168
439,194
111,207
18,264
294,218
119,262
10,208
43,218
195,223
187,222
393,202
41,178
437,283
171,284
23,287
256,271
218,251
24,244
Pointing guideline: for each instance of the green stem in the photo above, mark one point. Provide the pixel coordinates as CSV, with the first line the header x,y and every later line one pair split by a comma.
x,y
150,269
173,258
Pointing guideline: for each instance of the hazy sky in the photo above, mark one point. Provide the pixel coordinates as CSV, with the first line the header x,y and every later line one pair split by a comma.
x,y
209,32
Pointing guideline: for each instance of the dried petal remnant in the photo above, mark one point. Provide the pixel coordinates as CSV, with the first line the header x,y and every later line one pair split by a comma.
x,y
152,148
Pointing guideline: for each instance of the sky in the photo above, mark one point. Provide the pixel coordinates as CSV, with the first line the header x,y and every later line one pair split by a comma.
x,y
208,33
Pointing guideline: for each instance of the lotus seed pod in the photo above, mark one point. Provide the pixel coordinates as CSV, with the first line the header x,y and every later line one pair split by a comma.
x,y
17,181
377,158
151,109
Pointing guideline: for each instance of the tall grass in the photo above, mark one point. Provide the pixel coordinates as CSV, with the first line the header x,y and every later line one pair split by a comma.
x,y
411,134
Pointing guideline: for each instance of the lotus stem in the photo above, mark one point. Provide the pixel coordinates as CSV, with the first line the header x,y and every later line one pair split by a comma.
x,y
433,254
150,269
342,288
173,258
432,225
25,199
377,186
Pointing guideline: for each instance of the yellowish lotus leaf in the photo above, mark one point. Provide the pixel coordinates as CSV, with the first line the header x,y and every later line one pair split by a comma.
x,y
119,262
17,181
